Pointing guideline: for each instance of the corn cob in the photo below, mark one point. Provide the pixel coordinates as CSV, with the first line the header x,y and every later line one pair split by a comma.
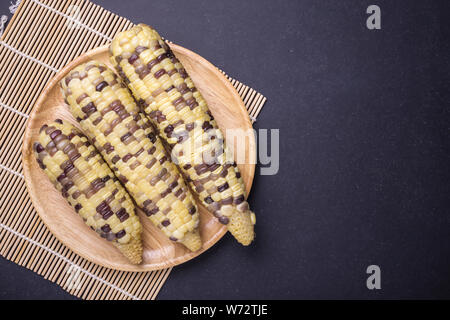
x,y
169,98
78,171
108,114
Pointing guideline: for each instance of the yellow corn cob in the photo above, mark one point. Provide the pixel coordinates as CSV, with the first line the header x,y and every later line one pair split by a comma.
x,y
112,120
169,98
77,170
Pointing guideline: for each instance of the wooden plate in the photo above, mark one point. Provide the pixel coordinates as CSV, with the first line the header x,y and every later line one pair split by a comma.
x,y
159,252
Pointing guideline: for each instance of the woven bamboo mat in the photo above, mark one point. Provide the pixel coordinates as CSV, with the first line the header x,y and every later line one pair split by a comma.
x,y
41,38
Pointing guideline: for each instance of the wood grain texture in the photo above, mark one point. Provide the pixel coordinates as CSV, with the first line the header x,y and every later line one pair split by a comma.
x,y
159,252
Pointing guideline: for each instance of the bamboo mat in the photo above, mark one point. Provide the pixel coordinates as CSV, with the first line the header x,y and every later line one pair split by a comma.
x,y
40,39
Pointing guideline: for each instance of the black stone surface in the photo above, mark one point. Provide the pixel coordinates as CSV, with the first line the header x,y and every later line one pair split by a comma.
x,y
364,151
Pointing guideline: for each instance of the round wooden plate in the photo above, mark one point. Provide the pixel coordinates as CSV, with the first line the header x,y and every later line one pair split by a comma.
x,y
159,252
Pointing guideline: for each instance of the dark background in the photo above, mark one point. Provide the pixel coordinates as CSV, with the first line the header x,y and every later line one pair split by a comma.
x,y
364,148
